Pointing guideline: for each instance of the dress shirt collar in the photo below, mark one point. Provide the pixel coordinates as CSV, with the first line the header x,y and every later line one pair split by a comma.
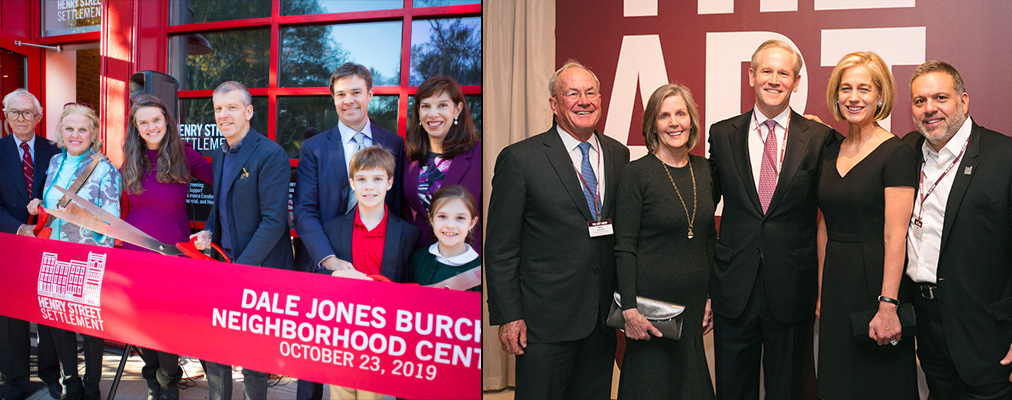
x,y
31,142
457,260
782,119
226,149
570,142
347,132
954,146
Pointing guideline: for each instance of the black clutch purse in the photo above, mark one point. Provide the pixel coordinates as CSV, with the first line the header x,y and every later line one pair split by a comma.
x,y
861,319
666,317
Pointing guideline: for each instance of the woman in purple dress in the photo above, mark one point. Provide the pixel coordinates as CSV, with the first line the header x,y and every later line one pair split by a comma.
x,y
157,169
443,150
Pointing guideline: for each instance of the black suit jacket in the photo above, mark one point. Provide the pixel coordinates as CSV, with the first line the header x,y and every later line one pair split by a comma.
x,y
14,196
257,203
784,238
975,263
398,245
541,264
321,191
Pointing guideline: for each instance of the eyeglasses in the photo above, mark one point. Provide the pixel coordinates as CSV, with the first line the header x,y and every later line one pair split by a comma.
x,y
574,95
78,104
26,115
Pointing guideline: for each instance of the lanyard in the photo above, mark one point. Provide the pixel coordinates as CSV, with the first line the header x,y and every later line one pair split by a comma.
x,y
924,194
596,190
783,141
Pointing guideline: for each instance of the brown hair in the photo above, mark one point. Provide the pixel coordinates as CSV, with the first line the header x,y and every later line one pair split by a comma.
x,y
372,157
96,143
173,165
447,194
348,69
461,136
880,76
653,108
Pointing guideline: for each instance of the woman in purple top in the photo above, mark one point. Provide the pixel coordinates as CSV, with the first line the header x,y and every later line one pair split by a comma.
x,y
443,149
157,169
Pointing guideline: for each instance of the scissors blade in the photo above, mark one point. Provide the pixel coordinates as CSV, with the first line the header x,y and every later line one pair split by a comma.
x,y
101,213
94,224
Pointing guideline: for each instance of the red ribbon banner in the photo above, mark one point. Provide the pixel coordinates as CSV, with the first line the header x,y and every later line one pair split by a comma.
x,y
403,340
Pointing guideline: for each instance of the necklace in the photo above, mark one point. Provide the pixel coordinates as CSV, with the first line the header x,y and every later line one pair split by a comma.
x,y
692,218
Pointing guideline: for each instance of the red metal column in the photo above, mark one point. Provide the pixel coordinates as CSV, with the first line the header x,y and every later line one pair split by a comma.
x,y
117,59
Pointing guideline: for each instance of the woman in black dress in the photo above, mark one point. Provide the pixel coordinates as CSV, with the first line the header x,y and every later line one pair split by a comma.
x,y
866,194
664,244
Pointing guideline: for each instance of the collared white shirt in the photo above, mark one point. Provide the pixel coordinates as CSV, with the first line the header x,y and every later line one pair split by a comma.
x,y
31,148
757,140
454,261
595,155
922,255
348,142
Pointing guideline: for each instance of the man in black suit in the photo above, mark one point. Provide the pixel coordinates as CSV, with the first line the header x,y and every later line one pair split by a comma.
x,y
249,217
765,272
549,254
19,152
959,242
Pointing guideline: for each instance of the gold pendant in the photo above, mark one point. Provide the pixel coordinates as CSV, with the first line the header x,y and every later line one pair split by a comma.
x,y
690,233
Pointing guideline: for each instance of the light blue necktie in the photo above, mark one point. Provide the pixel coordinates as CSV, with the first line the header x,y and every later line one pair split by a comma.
x,y
359,139
590,188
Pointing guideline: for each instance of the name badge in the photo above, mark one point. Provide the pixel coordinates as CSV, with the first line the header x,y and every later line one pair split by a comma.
x,y
600,228
916,228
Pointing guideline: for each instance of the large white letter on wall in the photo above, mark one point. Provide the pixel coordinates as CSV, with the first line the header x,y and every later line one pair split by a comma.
x,y
896,46
639,60
725,51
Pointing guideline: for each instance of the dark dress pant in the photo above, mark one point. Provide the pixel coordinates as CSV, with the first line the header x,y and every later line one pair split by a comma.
x,y
66,350
936,361
15,357
307,390
578,369
740,344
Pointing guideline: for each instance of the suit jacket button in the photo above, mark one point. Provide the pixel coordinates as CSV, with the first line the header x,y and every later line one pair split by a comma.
x,y
758,250
597,270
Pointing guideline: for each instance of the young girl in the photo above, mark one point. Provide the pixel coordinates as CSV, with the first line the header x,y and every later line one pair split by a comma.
x,y
453,216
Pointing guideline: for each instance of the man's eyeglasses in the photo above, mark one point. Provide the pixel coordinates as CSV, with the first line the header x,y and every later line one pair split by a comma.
x,y
26,115
574,95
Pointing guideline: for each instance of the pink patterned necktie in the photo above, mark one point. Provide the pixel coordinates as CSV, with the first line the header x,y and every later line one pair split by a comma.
x,y
768,170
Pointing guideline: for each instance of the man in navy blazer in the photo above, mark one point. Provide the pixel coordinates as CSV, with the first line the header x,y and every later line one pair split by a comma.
x,y
249,217
23,113
322,191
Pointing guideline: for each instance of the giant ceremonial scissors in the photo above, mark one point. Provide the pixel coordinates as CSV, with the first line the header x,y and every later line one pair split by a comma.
x,y
104,222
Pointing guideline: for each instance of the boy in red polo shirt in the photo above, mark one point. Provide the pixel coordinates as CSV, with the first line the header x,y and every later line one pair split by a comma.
x,y
370,239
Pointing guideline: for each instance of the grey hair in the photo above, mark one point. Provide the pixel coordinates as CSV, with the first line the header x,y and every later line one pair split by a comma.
x,y
571,63
229,86
22,92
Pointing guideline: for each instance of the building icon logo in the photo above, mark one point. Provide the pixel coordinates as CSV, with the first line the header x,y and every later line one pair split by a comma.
x,y
76,281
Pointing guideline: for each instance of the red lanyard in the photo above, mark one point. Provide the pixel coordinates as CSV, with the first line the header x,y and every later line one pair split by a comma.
x,y
783,142
597,186
924,194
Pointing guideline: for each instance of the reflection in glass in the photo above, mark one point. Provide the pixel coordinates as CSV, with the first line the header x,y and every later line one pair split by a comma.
x,y
60,17
309,54
240,55
473,101
198,129
301,117
440,3
449,47
303,7
196,11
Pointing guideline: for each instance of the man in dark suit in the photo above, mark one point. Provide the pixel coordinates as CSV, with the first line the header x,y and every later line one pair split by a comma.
x,y
959,242
765,273
249,215
24,158
548,255
322,191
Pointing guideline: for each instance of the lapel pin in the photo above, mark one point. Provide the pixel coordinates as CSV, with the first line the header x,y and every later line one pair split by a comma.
x,y
968,170
246,174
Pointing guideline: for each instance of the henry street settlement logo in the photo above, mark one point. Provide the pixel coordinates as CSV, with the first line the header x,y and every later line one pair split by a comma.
x,y
71,291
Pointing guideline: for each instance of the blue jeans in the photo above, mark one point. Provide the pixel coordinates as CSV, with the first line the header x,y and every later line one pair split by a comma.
x,y
219,382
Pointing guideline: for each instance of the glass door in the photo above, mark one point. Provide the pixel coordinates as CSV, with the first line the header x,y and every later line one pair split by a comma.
x,y
20,67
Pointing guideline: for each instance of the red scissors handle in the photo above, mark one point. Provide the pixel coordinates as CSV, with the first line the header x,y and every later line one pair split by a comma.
x,y
381,278
189,249
41,230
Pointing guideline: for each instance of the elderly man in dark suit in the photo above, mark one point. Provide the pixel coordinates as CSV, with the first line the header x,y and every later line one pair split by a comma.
x,y
765,272
322,191
250,213
549,250
959,242
24,158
